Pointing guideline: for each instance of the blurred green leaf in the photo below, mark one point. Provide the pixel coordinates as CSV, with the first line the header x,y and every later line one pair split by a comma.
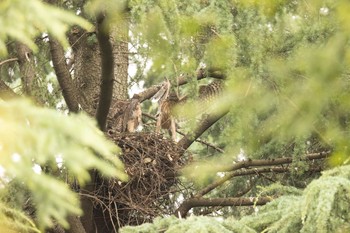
x,y
32,135
24,20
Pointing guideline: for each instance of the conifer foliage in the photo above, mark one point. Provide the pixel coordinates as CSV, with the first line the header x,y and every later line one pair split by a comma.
x,y
262,88
321,207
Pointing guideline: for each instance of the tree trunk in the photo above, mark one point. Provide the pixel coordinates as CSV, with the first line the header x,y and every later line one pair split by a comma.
x,y
87,80
75,225
87,70
121,59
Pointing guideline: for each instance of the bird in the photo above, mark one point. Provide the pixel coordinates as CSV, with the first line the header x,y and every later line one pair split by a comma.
x,y
166,116
132,119
207,94
168,101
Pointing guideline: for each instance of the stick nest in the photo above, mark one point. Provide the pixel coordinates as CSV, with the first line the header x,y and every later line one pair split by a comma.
x,y
150,161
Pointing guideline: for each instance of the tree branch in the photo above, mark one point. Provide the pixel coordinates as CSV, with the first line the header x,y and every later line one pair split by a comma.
x,y
8,60
107,76
207,122
204,143
231,201
181,133
257,163
270,162
105,99
240,193
198,201
254,171
63,76
247,164
201,74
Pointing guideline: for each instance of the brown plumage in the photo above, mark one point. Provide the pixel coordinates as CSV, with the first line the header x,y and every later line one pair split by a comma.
x,y
166,118
211,91
132,116
167,103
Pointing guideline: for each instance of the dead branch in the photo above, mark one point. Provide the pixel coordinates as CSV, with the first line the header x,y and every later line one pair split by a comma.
x,y
232,201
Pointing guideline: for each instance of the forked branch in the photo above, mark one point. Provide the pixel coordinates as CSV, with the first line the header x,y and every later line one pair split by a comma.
x,y
199,201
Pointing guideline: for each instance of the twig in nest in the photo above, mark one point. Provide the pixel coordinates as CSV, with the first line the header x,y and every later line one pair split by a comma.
x,y
147,158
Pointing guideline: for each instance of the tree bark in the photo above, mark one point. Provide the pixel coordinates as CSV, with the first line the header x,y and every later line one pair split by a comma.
x,y
87,69
119,39
63,75
87,205
75,225
107,75
27,67
207,122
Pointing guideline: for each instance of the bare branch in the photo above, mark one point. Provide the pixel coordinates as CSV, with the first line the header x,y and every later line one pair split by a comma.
x,y
271,162
231,201
107,76
206,123
227,177
205,143
8,60
240,193
63,76
198,201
